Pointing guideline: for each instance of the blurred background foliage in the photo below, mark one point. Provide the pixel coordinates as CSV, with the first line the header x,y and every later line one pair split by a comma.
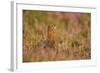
x,y
73,35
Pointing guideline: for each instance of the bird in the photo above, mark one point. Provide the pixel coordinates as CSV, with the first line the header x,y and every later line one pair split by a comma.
x,y
51,35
